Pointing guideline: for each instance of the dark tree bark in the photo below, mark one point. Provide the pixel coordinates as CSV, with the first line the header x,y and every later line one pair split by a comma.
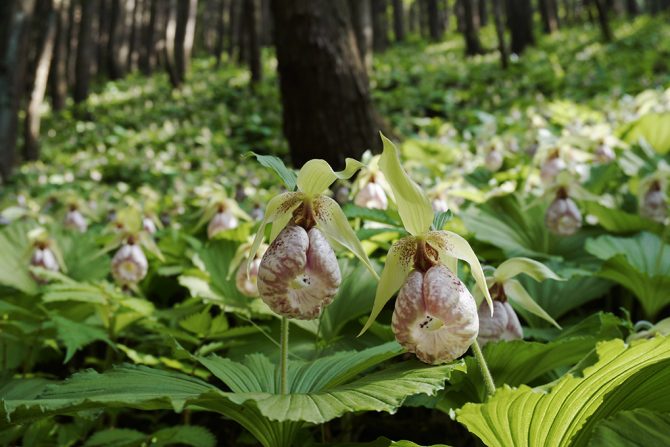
x,y
398,21
116,40
459,12
233,28
631,8
444,15
434,27
520,24
58,72
102,40
242,37
361,20
414,19
134,36
221,28
380,25
267,27
483,12
327,109
603,20
15,17
31,123
500,32
180,33
548,13
471,28
74,16
84,51
148,46
252,21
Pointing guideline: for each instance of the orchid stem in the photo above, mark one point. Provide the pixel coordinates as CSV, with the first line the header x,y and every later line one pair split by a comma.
x,y
488,378
283,359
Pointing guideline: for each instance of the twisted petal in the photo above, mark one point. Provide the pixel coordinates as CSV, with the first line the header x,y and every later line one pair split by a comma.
x,y
298,275
515,266
334,224
435,316
451,245
399,261
515,292
279,210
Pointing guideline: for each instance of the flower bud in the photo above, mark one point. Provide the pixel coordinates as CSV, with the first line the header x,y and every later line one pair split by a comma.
x,y
372,195
74,220
494,160
222,221
551,168
604,153
654,205
45,258
248,285
563,216
148,225
129,264
298,275
503,325
435,315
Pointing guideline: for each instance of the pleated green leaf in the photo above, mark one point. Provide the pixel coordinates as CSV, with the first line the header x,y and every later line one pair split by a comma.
x,y
635,428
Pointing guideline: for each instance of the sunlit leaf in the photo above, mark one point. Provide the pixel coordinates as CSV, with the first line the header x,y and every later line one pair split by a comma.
x,y
519,296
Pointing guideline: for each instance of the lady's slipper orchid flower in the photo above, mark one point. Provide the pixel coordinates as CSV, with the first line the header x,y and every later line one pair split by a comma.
x,y
654,205
563,217
435,315
298,274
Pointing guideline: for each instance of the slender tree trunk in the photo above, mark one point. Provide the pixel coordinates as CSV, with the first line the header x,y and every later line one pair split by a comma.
x,y
252,22
603,20
84,51
15,17
148,45
500,32
74,18
631,8
103,36
242,37
471,24
398,21
180,33
58,72
267,27
134,36
116,40
459,12
548,13
220,30
520,24
233,28
327,109
414,25
434,28
361,20
380,25
444,16
31,123
483,13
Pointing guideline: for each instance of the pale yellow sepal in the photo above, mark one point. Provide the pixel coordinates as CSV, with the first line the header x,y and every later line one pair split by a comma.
x,y
317,175
515,266
517,294
414,207
398,265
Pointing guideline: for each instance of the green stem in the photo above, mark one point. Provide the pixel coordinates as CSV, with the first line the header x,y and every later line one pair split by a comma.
x,y
488,378
283,359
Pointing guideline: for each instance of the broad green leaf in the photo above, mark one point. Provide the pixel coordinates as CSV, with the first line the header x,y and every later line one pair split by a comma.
x,y
77,335
279,207
565,413
116,437
316,175
381,442
618,221
634,428
15,258
451,245
398,265
654,128
414,207
519,296
371,214
640,263
515,266
441,219
287,175
334,224
193,435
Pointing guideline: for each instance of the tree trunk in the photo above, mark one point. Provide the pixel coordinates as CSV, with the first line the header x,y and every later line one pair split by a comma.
x,y
180,32
252,22
134,36
603,20
15,17
444,16
434,28
220,30
380,25
361,20
483,13
58,72
103,36
631,8
148,45
471,28
74,16
242,37
84,51
460,15
500,32
115,67
327,109
548,13
31,123
398,21
233,28
520,24
267,27
414,25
